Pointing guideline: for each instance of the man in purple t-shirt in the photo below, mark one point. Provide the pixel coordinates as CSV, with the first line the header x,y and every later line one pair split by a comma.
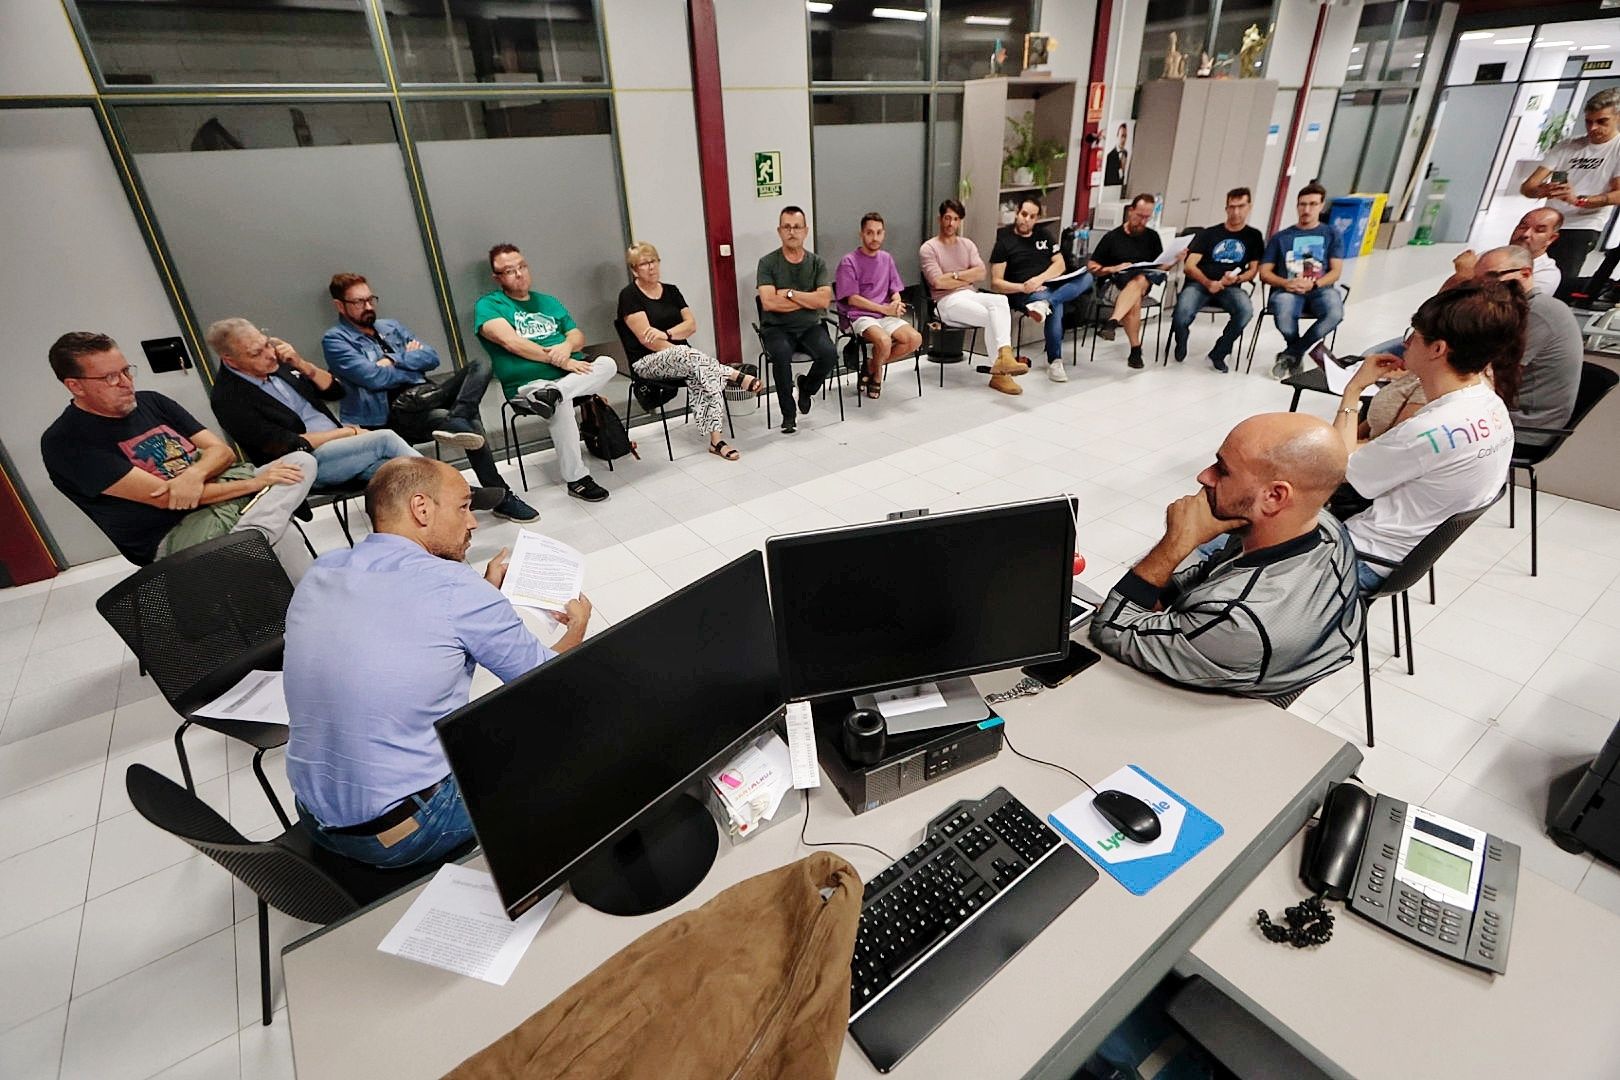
x,y
867,285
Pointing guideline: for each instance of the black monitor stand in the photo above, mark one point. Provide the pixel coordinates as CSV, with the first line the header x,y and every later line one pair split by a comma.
x,y
652,866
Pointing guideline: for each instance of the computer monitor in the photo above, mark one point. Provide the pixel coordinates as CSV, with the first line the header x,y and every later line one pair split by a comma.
x,y
575,771
870,608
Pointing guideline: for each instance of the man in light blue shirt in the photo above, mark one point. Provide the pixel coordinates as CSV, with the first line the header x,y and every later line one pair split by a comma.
x,y
381,642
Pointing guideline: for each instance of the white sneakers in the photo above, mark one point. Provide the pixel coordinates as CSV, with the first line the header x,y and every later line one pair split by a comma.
x,y
1056,372
1038,310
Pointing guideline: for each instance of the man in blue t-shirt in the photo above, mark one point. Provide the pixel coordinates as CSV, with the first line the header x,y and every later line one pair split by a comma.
x,y
1302,265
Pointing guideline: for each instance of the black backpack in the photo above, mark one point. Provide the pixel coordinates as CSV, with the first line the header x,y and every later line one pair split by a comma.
x,y
603,431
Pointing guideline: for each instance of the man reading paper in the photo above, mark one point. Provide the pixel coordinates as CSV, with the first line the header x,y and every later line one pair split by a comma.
x,y
413,620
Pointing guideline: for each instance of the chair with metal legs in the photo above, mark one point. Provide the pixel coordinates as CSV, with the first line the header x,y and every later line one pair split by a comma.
x,y
1419,563
1596,382
766,367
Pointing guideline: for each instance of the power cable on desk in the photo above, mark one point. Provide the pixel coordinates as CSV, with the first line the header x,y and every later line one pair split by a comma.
x,y
805,824
1039,761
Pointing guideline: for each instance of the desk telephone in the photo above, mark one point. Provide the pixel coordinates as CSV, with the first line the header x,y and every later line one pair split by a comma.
x,y
1445,885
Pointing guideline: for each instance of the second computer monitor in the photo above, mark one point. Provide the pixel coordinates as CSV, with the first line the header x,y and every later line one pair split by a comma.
x,y
873,607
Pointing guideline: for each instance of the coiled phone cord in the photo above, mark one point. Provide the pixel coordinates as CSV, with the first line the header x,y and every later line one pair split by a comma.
x,y
1309,923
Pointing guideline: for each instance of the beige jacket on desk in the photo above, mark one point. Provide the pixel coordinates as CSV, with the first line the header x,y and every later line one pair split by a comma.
x,y
753,984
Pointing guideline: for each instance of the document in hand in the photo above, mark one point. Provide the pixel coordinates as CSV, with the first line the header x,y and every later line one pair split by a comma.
x,y
1337,374
543,573
258,697
459,924
1167,258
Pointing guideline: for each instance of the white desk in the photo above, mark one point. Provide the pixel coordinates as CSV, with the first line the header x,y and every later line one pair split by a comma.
x,y
1370,1004
1257,770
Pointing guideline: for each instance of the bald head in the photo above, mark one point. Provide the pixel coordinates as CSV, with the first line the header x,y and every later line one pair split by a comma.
x,y
1300,450
1509,264
424,500
1537,229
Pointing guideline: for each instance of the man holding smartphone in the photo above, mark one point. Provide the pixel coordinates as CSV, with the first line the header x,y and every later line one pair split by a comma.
x,y
1582,176
1274,607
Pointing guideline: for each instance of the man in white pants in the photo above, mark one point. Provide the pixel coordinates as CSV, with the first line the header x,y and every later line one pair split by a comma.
x,y
951,266
534,346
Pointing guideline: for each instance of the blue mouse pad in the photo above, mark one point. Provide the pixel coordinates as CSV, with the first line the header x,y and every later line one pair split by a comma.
x,y
1185,831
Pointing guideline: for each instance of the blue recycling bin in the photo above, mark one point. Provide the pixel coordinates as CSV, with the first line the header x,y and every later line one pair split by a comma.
x,y
1349,215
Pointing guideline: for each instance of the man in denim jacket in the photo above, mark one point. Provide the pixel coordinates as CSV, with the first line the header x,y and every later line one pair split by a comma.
x,y
377,359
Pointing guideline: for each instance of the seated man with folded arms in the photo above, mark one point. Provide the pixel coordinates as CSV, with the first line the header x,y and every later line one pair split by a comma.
x,y
868,287
1117,257
150,476
535,347
1273,608
952,269
794,289
413,620
272,401
382,368
1023,262
1301,265
1220,261
1536,232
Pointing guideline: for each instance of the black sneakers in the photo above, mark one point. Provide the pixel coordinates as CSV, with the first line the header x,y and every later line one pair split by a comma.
x,y
513,508
587,489
545,401
488,498
1135,359
789,425
806,399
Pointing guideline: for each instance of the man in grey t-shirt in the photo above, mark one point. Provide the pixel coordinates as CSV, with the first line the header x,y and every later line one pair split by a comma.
x,y
1550,373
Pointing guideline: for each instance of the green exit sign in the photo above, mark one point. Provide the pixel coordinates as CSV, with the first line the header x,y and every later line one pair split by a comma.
x,y
767,174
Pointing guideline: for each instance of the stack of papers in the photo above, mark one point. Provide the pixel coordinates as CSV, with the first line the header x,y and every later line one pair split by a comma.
x,y
752,784
543,573
258,697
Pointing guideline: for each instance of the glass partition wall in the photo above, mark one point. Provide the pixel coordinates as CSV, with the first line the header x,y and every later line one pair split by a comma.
x,y
275,143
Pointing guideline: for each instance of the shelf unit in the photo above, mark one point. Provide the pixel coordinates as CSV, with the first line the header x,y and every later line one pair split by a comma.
x,y
987,105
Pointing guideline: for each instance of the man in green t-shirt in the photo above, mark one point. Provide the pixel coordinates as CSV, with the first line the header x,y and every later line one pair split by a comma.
x,y
795,291
534,347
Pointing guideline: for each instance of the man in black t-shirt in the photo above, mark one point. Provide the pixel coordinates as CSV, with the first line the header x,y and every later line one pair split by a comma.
x,y
1115,258
149,475
1220,261
1023,265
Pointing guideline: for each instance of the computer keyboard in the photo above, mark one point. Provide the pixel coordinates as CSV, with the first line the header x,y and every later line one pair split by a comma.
x,y
988,877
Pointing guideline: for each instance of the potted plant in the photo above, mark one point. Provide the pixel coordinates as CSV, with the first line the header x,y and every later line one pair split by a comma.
x,y
1552,131
1028,159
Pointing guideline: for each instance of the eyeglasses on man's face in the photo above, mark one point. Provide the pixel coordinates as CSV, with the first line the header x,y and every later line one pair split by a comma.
x,y
125,373
647,264
513,271
363,301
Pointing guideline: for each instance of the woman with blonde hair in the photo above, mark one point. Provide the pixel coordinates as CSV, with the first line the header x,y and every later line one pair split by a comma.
x,y
658,323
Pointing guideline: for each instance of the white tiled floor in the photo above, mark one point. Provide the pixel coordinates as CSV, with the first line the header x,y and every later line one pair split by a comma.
x,y
122,954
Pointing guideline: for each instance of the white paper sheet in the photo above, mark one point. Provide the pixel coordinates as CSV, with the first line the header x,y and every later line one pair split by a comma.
x,y
909,699
543,573
1167,258
801,732
259,697
458,923
1339,377
1067,276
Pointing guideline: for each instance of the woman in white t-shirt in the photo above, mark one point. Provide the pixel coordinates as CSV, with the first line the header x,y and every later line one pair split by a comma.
x,y
1451,455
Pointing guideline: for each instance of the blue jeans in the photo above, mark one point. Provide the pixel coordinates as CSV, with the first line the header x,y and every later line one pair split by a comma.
x,y
1325,305
442,826
358,456
1058,298
1369,576
1232,300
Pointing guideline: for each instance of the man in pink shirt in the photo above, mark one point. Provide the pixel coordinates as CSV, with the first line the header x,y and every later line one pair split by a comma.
x,y
867,285
951,266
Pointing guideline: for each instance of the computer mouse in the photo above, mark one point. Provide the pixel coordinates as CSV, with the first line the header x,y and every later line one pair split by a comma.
x,y
1130,815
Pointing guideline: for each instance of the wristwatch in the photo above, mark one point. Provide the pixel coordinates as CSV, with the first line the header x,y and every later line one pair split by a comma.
x,y
789,294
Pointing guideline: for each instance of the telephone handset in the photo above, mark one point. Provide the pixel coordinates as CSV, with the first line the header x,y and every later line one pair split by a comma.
x,y
1441,883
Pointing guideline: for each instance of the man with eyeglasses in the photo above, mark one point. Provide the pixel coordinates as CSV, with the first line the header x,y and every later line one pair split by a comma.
x,y
795,291
1536,232
536,349
147,473
383,367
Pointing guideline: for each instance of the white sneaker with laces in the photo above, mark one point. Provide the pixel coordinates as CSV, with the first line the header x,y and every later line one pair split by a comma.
x,y
1055,371
1038,310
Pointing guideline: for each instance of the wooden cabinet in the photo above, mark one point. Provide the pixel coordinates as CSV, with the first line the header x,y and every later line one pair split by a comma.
x,y
987,105
1195,140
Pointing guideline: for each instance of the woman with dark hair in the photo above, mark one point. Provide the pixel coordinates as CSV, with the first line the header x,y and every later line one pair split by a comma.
x,y
1452,454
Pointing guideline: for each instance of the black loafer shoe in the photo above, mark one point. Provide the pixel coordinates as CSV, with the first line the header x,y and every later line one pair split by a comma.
x,y
806,399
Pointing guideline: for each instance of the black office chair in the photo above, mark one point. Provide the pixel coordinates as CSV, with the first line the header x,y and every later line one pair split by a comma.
x,y
1419,562
511,410
1596,382
852,344
336,496
289,872
1263,312
765,364
198,621
657,393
